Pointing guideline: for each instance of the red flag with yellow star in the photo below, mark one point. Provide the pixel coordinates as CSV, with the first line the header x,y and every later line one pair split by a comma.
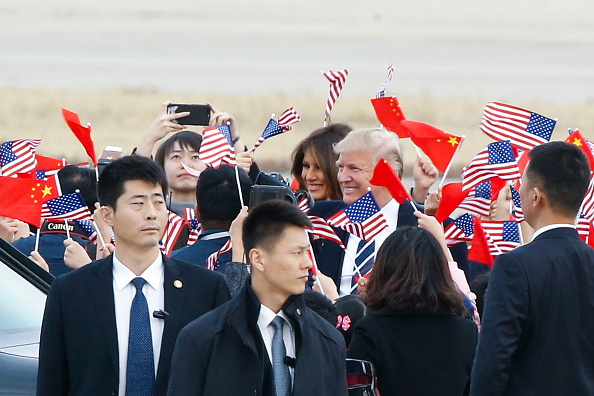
x,y
577,139
384,175
82,133
390,114
440,146
21,197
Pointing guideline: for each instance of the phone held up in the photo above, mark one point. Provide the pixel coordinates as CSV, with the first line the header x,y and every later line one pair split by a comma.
x,y
199,114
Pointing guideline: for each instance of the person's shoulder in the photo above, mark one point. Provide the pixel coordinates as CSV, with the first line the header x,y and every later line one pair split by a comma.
x,y
212,322
323,327
191,269
85,272
326,209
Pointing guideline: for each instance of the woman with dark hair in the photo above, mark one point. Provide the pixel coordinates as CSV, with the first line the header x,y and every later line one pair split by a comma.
x,y
314,162
414,333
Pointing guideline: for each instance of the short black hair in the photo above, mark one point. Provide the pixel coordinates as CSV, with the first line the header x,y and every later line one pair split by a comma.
x,y
84,180
562,171
131,167
217,195
266,222
185,139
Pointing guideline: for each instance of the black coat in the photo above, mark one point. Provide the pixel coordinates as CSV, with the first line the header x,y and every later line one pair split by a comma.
x,y
78,353
537,335
222,353
416,353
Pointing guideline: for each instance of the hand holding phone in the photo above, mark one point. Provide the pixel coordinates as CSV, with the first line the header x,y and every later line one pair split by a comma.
x,y
199,114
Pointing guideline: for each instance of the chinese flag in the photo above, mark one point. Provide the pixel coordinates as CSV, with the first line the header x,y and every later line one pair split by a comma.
x,y
479,250
49,163
21,198
390,114
385,176
577,139
451,196
440,146
82,133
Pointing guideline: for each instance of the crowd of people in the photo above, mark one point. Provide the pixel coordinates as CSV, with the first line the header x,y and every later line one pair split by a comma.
x,y
176,287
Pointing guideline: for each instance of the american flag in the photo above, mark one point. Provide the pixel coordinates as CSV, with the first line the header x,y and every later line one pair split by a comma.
x,y
323,230
66,207
587,207
211,261
193,224
337,80
523,128
303,204
362,218
18,156
190,170
583,226
478,200
496,160
229,158
173,230
87,227
215,146
382,92
517,205
274,127
461,229
505,235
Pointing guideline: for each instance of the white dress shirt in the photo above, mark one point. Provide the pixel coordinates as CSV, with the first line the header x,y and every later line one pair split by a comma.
x,y
550,227
123,293
265,319
390,212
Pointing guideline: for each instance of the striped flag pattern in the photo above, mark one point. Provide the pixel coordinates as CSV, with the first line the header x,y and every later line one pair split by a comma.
x,y
173,230
587,207
583,227
382,92
193,224
66,207
337,80
496,160
215,146
461,229
505,235
518,213
478,200
522,127
323,230
211,261
274,127
362,218
18,156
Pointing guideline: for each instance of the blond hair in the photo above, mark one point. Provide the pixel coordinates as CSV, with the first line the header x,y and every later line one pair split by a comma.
x,y
379,142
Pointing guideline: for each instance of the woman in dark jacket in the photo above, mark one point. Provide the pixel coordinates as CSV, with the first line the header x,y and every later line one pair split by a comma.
x,y
415,334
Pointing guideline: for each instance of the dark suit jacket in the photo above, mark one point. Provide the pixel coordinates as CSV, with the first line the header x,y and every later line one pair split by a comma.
x,y
198,253
329,255
78,353
537,334
222,353
416,353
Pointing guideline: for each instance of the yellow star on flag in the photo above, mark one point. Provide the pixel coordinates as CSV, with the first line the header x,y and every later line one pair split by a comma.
x,y
577,142
47,190
453,141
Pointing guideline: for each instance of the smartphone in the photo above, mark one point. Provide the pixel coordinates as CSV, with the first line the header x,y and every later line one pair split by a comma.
x,y
261,193
199,114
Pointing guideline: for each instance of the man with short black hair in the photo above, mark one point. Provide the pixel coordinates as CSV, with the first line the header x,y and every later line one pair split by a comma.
x,y
110,327
537,334
265,341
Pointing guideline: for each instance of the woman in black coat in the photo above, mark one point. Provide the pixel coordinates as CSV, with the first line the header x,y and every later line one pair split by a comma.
x,y
415,334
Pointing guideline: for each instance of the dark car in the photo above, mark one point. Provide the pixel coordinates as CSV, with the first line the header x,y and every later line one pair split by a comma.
x,y
23,291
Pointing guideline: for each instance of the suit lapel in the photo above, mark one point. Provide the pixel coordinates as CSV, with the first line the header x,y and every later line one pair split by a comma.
x,y
175,296
102,291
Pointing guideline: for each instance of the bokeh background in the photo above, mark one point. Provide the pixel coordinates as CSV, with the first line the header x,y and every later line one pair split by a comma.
x,y
115,62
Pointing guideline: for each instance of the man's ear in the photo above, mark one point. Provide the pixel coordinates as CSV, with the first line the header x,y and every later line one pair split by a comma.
x,y
107,214
538,197
257,259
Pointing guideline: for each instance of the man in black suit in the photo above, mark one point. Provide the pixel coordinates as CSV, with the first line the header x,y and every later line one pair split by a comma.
x,y
359,152
537,333
265,341
109,328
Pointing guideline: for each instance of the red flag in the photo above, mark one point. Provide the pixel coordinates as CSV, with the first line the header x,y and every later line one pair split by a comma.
x,y
479,251
390,114
21,198
577,139
82,133
49,163
451,196
440,146
385,176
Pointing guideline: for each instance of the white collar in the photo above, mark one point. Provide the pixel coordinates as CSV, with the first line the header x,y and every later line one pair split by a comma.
x,y
153,275
267,315
551,227
390,212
